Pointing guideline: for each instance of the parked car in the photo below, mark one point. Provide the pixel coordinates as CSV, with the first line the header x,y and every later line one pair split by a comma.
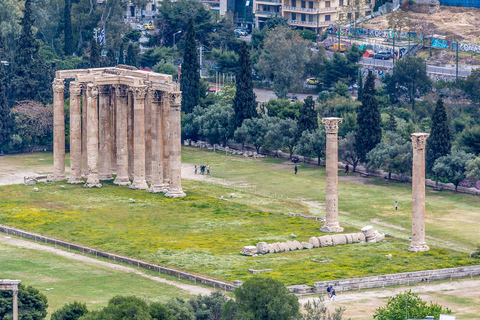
x,y
148,26
247,31
334,47
382,55
240,32
313,81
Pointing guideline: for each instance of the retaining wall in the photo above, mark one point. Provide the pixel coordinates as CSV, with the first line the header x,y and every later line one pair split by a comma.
x,y
139,263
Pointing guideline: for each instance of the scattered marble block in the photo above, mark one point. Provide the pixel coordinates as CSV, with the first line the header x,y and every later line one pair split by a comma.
x,y
249,250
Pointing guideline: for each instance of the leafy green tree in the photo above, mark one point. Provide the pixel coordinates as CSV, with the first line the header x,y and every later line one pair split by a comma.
x,y
312,142
254,131
394,154
408,305
265,299
308,119
190,78
67,29
227,94
244,104
469,139
131,59
307,34
94,54
283,134
111,61
439,141
217,123
410,78
360,88
369,132
315,64
152,56
473,170
120,307
133,35
472,86
347,152
5,118
208,307
159,311
283,108
121,55
453,166
180,309
316,310
227,61
70,311
284,59
31,303
166,68
392,122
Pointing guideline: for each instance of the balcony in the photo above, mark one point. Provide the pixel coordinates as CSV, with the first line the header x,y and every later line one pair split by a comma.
x,y
311,24
288,8
267,13
279,2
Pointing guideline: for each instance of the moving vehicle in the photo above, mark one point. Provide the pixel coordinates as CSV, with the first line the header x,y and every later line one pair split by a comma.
x,y
382,55
148,26
334,47
313,81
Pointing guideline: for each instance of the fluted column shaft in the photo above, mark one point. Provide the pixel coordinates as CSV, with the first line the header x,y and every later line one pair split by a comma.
x,y
148,135
331,208
58,130
166,137
92,137
157,143
418,193
75,133
15,304
175,188
130,115
121,136
84,131
104,172
113,131
139,181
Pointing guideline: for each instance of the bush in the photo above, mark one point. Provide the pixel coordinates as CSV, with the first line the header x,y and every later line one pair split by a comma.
x,y
71,311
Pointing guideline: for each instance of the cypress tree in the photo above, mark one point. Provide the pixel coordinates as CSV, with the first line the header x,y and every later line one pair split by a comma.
x,y
121,57
131,59
308,116
94,54
439,143
190,77
68,44
392,122
244,103
360,87
369,132
5,119
111,61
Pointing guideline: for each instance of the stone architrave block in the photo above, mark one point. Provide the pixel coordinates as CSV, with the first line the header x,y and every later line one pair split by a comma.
x,y
283,247
307,245
325,241
373,237
380,237
262,247
361,237
349,238
368,231
339,239
28,181
298,245
314,241
249,250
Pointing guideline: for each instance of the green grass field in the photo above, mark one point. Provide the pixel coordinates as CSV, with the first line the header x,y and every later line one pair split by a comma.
x,y
63,280
203,234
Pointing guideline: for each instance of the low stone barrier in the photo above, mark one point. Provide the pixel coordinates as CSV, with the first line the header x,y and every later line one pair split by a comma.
x,y
118,258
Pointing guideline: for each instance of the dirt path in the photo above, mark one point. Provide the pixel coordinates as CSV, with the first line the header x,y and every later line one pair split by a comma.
x,y
192,289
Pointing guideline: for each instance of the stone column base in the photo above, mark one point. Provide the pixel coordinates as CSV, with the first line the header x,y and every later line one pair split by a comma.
x,y
73,180
122,181
139,185
175,193
161,188
331,229
105,177
92,185
60,177
418,247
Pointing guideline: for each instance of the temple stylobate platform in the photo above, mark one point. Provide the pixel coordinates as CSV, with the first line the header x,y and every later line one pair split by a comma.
x,y
123,122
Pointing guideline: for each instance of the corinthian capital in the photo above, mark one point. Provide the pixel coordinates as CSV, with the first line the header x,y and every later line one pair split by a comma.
x,y
104,89
419,140
92,90
139,91
175,98
331,124
120,90
58,85
75,89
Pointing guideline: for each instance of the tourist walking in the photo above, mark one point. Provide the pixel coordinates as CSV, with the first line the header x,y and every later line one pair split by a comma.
x,y
329,291
346,169
195,169
332,295
396,205
296,169
208,168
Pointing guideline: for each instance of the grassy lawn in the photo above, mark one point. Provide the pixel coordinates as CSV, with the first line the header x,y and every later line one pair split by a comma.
x,y
203,234
63,280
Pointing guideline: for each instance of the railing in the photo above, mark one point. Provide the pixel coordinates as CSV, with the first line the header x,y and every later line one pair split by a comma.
x,y
311,23
310,10
268,13
270,1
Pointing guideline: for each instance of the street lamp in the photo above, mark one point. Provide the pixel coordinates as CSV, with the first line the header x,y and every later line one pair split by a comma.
x,y
174,44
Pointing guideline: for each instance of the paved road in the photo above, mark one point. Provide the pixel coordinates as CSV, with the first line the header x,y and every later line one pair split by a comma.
x,y
265,95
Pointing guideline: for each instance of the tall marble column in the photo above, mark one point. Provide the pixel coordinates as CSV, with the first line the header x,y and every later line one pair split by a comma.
x,y
84,131
148,134
92,136
418,193
157,143
15,304
58,130
121,136
131,151
113,131
175,188
331,211
139,181
166,137
104,172
75,133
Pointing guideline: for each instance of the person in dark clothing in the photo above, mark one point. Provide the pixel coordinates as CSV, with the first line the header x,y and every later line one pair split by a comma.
x,y
346,169
296,169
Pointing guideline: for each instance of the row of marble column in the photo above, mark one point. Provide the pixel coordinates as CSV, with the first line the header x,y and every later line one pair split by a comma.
x,y
418,185
131,131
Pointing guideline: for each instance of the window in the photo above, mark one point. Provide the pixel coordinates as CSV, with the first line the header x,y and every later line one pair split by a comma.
x,y
357,15
327,17
266,8
340,2
294,16
340,16
304,17
367,13
303,4
294,3
349,16
327,4
153,7
310,4
310,17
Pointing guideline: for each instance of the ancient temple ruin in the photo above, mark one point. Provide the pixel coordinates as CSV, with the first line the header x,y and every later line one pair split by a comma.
x,y
123,121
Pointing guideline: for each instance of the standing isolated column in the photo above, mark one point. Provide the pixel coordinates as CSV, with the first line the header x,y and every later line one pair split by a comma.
x,y
84,131
166,137
148,134
157,143
92,136
75,133
418,193
139,181
15,304
130,113
121,139
175,189
58,130
104,172
331,212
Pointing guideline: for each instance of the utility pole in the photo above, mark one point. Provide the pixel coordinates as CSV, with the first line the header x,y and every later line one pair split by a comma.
x,y
457,62
201,53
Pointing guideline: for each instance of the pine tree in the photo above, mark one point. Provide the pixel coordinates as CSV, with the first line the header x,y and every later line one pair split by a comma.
x,y
439,143
5,120
121,56
392,122
131,59
190,77
369,132
308,119
68,41
360,87
244,103
94,54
